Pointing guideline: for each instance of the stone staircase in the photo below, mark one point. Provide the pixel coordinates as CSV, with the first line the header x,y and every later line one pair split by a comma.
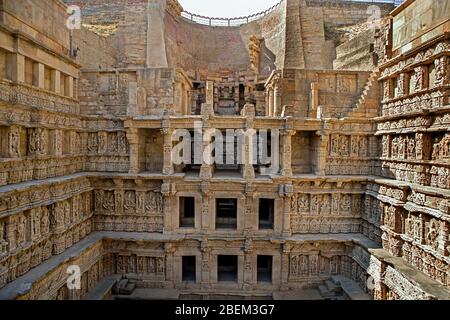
x,y
331,291
367,105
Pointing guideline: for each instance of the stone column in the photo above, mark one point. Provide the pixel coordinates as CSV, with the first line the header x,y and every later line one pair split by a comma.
x,y
56,81
210,93
16,68
39,75
286,163
168,163
443,239
271,102
277,99
68,84
133,140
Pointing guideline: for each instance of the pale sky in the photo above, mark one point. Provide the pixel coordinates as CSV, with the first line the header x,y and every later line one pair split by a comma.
x,y
226,8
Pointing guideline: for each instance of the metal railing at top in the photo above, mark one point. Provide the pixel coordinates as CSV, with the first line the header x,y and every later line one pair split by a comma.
x,y
235,22
227,22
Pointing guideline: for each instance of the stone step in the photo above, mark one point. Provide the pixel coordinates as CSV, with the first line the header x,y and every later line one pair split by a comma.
x,y
324,292
333,287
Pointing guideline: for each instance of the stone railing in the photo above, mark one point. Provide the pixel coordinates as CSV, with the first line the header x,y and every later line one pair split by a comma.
x,y
227,22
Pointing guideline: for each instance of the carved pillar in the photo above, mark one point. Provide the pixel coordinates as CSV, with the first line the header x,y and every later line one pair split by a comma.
x,y
68,84
206,265
248,140
249,262
287,192
167,190
207,197
285,253
133,140
206,170
169,258
250,218
271,101
286,164
168,163
442,74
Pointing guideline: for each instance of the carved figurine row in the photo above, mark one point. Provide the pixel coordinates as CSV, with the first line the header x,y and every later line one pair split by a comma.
x,y
349,145
129,202
108,143
326,204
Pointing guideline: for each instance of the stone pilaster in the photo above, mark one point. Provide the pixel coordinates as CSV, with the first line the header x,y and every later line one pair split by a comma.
x,y
287,192
285,253
322,151
286,163
16,67
206,265
249,263
168,163
39,75
167,190
56,81
133,140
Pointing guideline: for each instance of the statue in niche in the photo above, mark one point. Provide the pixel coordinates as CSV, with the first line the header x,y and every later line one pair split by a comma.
x,y
93,142
14,139
67,212
395,147
325,204
123,142
140,200
160,265
109,201
151,203
345,203
294,209
386,93
334,265
151,265
98,196
3,242
343,146
33,141
45,221
21,229
334,145
113,143
131,265
401,147
130,201
354,141
432,233
140,265
36,222
101,143
411,148
314,204
313,264
385,143
417,82
294,265
303,203
441,70
303,261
